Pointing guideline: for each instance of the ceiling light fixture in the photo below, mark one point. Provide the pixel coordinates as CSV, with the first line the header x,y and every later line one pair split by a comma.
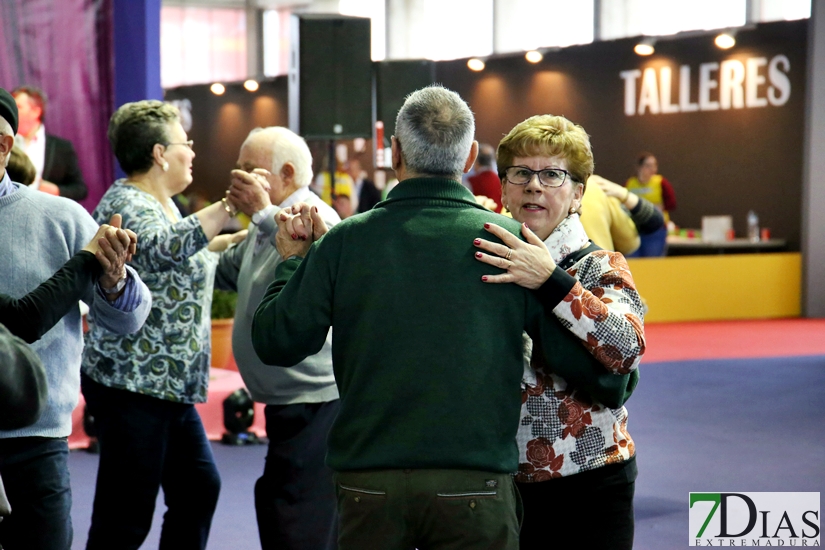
x,y
726,40
475,64
217,88
645,47
534,56
251,85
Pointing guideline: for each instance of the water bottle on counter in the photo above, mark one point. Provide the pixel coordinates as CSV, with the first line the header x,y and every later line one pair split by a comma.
x,y
753,227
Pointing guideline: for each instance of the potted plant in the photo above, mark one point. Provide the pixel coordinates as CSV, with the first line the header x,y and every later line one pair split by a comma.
x,y
223,314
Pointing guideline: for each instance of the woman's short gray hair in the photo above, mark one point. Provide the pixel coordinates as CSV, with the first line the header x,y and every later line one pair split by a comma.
x,y
287,146
435,129
135,128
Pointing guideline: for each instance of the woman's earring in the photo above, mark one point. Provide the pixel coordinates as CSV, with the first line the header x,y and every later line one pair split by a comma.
x,y
165,166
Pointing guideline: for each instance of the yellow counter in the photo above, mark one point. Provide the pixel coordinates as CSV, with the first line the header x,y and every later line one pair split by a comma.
x,y
704,288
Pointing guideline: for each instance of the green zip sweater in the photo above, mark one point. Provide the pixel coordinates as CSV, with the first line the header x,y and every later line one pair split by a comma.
x,y
427,357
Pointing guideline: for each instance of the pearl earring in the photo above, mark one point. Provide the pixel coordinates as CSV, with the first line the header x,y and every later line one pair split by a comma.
x,y
165,166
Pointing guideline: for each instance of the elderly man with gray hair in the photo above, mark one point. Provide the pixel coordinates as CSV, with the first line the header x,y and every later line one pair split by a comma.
x,y
427,358
295,498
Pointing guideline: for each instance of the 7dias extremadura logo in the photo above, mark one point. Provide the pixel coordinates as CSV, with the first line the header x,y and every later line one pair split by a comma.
x,y
754,519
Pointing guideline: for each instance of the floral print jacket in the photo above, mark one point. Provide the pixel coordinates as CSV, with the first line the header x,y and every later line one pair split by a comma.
x,y
562,430
169,356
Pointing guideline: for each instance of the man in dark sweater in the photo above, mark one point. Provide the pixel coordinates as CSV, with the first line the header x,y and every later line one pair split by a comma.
x,y
427,358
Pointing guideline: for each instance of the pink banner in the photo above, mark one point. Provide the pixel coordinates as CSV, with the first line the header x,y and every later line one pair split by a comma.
x,y
65,48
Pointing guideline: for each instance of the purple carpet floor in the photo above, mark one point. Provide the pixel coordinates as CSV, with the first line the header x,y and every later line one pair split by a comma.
x,y
733,425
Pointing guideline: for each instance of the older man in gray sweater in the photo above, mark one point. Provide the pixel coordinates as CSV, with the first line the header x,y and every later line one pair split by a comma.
x,y
40,234
295,498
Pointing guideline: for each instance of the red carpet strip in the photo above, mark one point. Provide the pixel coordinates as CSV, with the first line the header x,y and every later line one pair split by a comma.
x,y
734,339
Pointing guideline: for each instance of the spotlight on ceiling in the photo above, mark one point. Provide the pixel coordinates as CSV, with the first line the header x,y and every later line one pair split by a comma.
x,y
217,88
475,64
726,40
533,56
251,85
645,47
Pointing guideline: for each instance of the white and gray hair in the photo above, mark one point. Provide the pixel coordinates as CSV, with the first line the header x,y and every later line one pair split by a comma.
x,y
287,146
435,129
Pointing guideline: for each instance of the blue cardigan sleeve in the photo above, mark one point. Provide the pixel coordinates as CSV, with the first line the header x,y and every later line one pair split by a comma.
x,y
121,318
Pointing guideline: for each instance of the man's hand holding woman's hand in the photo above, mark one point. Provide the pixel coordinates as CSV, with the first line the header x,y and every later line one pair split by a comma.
x,y
113,247
298,227
249,191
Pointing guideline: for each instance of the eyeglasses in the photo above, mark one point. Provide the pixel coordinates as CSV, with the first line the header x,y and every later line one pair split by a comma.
x,y
189,143
549,177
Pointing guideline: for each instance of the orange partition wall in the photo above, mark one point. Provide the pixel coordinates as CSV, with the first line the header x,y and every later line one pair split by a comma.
x,y
721,287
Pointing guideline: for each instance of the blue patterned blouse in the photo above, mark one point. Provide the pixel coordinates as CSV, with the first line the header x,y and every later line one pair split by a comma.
x,y
169,357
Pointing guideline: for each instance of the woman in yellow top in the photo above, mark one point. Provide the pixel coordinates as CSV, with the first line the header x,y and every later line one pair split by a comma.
x,y
651,185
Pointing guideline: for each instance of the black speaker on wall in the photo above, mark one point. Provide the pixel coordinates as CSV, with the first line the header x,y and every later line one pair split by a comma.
x,y
330,77
394,81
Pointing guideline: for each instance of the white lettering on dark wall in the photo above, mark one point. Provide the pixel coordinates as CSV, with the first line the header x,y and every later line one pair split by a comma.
x,y
731,84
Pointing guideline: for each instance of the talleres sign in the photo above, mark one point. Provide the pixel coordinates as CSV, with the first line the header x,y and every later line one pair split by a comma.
x,y
732,84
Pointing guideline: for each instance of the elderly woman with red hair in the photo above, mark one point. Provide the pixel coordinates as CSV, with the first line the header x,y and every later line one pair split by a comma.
x,y
577,459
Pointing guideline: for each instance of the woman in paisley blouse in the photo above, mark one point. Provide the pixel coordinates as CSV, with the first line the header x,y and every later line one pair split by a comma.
x,y
141,388
577,460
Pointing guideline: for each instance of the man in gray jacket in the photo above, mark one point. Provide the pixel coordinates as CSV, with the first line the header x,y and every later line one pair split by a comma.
x,y
295,498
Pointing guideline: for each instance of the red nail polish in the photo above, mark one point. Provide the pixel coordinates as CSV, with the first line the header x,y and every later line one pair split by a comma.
x,y
477,241
478,254
294,236
486,226
484,278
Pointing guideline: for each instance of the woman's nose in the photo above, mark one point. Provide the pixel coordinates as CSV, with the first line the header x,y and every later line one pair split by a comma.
x,y
534,184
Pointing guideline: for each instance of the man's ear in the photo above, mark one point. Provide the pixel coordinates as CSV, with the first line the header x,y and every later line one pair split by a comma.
x,y
471,159
288,171
397,158
6,144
